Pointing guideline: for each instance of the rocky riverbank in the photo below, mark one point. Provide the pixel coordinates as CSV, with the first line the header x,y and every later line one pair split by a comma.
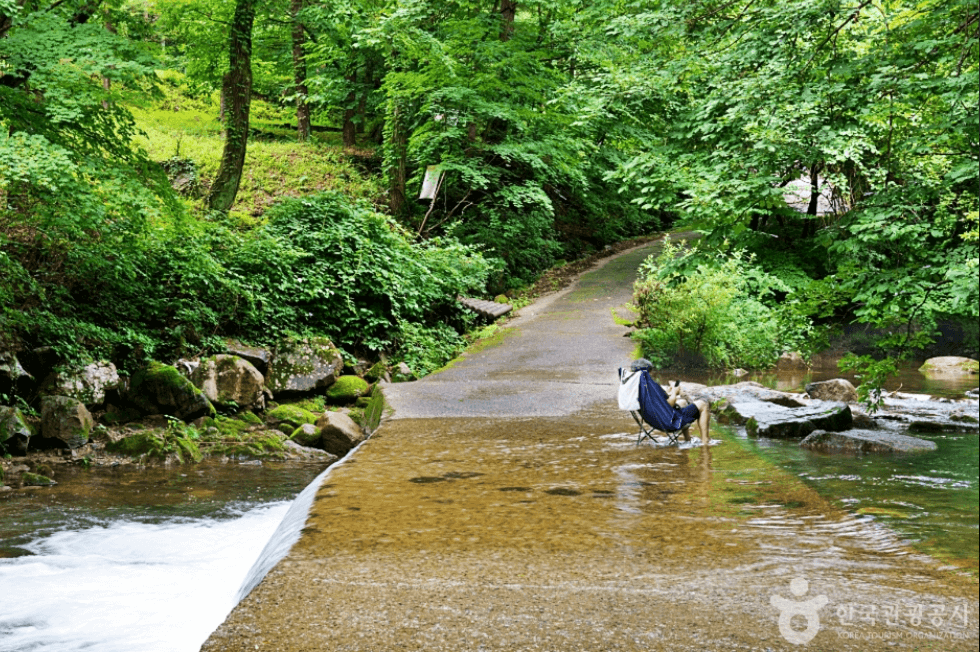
x,y
296,402
828,417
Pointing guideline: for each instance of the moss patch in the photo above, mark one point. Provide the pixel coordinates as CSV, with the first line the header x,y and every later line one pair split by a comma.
x,y
292,416
36,480
346,389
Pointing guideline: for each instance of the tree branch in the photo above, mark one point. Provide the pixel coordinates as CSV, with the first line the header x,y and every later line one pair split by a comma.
x,y
854,15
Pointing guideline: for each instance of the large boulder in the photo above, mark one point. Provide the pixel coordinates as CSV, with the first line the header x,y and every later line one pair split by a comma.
x,y
65,419
88,384
258,356
791,361
338,433
776,422
13,377
303,366
865,441
950,365
160,389
837,389
15,431
228,380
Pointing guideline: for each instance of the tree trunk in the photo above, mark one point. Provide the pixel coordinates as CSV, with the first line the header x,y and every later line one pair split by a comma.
x,y
299,73
350,129
810,228
508,9
397,153
237,91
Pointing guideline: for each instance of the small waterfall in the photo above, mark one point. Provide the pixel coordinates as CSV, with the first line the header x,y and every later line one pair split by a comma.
x,y
288,532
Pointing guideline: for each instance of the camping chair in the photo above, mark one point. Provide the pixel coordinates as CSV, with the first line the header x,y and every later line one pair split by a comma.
x,y
658,416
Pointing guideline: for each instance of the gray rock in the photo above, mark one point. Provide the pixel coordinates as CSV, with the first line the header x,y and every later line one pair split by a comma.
x,y
402,373
13,377
296,451
338,433
973,393
65,419
304,366
161,389
837,389
228,380
777,422
927,426
259,357
950,365
15,431
88,384
791,361
865,441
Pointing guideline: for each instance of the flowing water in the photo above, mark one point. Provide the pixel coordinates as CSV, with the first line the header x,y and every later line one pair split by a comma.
x,y
930,499
127,559
135,559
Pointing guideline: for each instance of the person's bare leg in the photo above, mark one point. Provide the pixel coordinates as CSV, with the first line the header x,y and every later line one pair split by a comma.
x,y
703,420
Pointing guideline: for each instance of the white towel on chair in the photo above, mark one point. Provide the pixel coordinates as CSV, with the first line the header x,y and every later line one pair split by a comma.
x,y
629,389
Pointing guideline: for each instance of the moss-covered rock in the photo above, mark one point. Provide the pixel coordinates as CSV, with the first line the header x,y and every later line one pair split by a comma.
x,y
261,444
302,366
373,411
65,419
306,435
228,426
291,416
14,428
376,372
346,389
36,480
950,364
250,418
158,444
161,389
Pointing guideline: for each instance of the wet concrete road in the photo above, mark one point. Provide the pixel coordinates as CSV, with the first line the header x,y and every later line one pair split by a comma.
x,y
506,507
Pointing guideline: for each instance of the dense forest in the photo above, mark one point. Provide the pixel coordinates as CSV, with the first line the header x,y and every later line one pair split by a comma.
x,y
177,172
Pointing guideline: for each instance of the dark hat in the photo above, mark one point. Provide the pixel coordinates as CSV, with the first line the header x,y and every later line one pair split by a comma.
x,y
640,364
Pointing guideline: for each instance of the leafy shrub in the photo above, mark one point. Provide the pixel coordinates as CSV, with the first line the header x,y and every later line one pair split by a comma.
x,y
699,307
330,265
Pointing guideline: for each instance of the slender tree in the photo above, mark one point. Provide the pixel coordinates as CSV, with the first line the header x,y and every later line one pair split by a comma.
x,y
237,92
299,72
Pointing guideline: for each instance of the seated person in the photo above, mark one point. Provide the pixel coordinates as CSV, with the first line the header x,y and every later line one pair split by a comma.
x,y
666,411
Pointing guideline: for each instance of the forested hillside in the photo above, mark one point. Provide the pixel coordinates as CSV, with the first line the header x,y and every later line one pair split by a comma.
x,y
175,172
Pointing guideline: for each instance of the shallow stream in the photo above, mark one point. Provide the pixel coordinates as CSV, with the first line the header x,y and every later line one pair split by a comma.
x,y
127,559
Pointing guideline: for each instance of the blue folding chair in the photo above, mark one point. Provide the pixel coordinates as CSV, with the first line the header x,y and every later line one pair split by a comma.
x,y
651,407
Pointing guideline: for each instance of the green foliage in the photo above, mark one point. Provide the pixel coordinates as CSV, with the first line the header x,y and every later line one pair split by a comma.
x,y
427,348
329,264
702,307
873,374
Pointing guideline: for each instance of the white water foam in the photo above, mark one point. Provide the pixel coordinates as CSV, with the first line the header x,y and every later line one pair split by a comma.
x,y
130,586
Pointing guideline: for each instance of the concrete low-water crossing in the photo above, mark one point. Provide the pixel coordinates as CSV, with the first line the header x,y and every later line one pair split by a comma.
x,y
504,507
507,507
